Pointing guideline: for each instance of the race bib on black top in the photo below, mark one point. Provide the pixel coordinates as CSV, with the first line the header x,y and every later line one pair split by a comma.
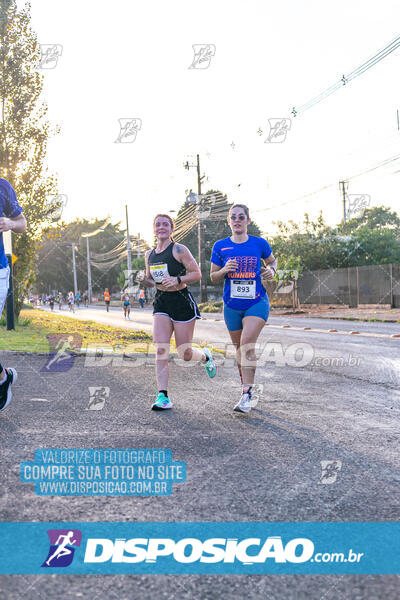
x,y
158,272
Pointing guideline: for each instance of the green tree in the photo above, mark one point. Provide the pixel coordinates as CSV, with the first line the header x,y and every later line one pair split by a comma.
x,y
378,217
24,135
54,258
371,239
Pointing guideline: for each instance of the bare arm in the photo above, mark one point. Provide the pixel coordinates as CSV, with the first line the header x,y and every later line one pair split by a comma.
x,y
16,224
271,265
193,272
217,273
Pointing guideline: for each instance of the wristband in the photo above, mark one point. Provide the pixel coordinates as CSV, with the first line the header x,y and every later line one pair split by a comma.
x,y
179,279
274,270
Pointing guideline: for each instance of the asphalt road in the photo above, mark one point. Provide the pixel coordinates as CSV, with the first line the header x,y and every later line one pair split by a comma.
x,y
262,467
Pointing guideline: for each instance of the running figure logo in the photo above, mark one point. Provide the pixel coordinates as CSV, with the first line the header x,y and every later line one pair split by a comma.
x,y
128,130
61,551
330,470
278,129
357,205
98,397
256,394
49,55
203,54
62,347
61,201
286,279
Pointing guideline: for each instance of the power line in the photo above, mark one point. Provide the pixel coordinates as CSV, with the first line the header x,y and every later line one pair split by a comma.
x,y
389,48
325,187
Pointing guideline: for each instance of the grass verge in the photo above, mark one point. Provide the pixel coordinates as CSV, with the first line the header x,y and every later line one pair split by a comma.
x,y
33,327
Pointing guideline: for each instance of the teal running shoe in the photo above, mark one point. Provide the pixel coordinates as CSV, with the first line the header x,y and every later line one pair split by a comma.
x,y
210,365
162,402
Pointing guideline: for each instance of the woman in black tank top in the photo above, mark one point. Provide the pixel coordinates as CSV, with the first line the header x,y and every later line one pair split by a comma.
x,y
169,267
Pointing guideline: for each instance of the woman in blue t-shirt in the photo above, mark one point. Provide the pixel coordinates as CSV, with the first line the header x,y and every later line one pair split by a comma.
x,y
238,259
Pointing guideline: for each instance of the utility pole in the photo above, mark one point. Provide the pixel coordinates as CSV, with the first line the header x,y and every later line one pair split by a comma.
x,y
200,233
89,272
74,265
129,254
342,186
10,313
139,255
200,239
74,269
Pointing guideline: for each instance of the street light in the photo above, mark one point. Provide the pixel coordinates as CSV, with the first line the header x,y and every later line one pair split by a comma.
x,y
74,266
89,272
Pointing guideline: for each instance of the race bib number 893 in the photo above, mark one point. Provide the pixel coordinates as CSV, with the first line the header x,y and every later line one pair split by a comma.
x,y
243,288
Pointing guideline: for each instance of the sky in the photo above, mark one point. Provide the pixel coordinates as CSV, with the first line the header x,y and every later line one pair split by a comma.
x,y
130,60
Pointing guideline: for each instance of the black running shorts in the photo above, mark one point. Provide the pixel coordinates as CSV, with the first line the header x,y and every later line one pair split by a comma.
x,y
179,306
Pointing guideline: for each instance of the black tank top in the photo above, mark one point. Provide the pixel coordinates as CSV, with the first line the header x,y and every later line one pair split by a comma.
x,y
165,260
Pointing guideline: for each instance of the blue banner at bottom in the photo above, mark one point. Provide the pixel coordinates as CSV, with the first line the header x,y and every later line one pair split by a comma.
x,y
202,547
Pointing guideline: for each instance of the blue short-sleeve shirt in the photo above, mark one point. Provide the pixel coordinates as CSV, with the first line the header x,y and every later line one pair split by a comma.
x,y
10,208
248,255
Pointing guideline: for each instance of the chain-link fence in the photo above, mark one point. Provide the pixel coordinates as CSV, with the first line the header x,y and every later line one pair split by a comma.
x,y
352,286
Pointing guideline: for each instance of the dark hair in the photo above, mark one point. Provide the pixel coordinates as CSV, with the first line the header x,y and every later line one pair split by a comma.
x,y
243,206
170,219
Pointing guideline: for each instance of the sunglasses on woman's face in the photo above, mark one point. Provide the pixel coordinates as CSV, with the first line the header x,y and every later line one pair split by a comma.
x,y
237,218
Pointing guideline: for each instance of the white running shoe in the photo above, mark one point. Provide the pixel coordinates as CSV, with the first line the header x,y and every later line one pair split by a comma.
x,y
244,404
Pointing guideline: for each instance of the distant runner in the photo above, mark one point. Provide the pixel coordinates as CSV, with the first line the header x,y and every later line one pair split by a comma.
x,y
142,298
71,301
11,219
237,259
107,299
126,304
169,267
78,298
